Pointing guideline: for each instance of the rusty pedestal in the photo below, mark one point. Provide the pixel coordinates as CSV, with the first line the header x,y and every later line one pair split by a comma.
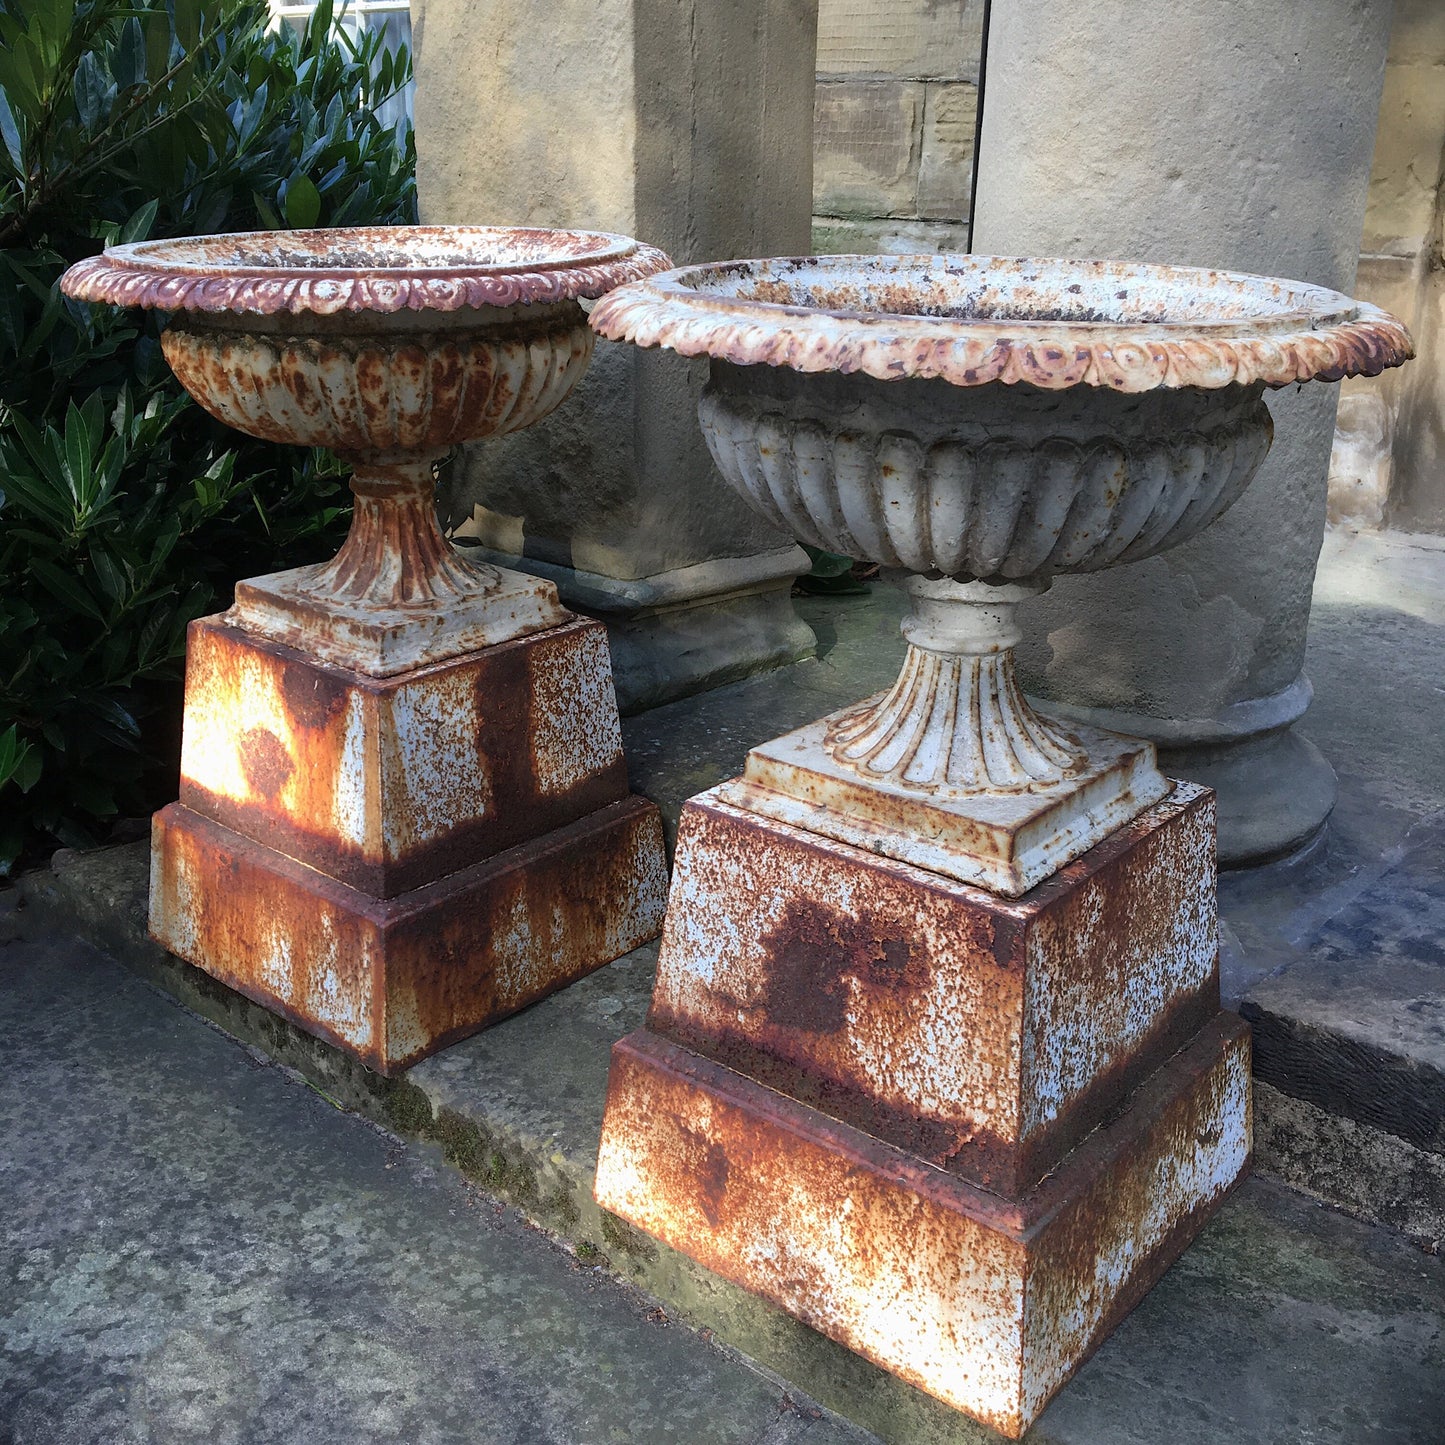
x,y
960,1133
394,863
935,1060
404,810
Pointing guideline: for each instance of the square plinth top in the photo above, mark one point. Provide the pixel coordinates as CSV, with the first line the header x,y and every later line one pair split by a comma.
x,y
1005,842
382,641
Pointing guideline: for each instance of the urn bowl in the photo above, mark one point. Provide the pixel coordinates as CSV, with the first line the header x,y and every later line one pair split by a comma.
x,y
389,345
375,339
983,424
974,417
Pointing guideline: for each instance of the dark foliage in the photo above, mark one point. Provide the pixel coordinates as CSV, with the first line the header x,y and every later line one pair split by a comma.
x,y
124,510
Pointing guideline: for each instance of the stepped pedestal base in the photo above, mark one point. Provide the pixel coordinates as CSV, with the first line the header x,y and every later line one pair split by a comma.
x,y
959,1133
989,1303
395,862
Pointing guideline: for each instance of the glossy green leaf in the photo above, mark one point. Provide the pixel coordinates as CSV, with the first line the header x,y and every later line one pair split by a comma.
x,y
128,59
303,203
91,86
140,223
10,135
160,36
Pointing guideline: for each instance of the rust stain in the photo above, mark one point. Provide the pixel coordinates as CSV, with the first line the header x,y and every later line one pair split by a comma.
x,y
985,1035
267,764
315,697
305,789
820,954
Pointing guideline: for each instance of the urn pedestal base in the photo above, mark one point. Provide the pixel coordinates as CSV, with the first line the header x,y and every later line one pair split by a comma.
x,y
1005,842
987,1302
393,863
957,1132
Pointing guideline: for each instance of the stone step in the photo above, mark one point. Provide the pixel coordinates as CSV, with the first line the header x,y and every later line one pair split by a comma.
x,y
1349,1046
1285,1320
196,1247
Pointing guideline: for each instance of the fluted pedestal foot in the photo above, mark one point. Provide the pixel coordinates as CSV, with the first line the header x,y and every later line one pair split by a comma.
x,y
398,595
951,769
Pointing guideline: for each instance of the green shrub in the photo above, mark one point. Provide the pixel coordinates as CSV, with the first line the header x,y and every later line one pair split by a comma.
x,y
124,510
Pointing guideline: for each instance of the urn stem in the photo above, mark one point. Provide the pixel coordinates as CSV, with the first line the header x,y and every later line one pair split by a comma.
x,y
956,721
395,554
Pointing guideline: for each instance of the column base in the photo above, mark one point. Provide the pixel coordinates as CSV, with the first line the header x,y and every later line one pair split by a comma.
x,y
392,980
1275,788
986,1302
682,632
1275,792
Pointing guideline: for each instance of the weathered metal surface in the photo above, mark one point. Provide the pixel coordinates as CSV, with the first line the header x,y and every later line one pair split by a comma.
x,y
381,387
973,320
391,398
389,345
984,424
987,1303
977,482
386,785
377,269
395,980
1007,839
985,1036
363,612
402,714
989,482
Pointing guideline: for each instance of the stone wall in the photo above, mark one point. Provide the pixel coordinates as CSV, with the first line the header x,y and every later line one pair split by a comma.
x,y
894,119
893,136
1389,457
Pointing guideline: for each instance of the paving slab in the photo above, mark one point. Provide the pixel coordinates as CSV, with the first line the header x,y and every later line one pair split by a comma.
x,y
195,1246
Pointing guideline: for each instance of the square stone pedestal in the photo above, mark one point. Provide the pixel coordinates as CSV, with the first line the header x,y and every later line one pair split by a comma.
x,y
959,1133
393,863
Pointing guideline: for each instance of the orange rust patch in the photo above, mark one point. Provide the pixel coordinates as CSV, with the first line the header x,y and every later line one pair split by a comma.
x,y
267,764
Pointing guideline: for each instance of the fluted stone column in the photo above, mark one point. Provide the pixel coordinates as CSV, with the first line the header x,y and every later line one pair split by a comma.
x,y
689,125
1214,133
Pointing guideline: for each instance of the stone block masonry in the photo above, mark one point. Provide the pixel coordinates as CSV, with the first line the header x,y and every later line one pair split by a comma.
x,y
894,121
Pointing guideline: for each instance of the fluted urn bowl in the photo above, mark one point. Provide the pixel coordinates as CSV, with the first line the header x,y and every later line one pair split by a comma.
x,y
389,345
984,425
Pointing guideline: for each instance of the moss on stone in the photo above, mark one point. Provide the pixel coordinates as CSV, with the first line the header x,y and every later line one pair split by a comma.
x,y
405,1107
560,1208
463,1143
621,1236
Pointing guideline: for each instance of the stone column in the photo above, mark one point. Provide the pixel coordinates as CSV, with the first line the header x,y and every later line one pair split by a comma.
x,y
1212,133
687,124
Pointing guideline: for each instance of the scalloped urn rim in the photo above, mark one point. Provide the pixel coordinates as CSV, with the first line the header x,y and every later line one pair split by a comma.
x,y
387,343
364,269
972,320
